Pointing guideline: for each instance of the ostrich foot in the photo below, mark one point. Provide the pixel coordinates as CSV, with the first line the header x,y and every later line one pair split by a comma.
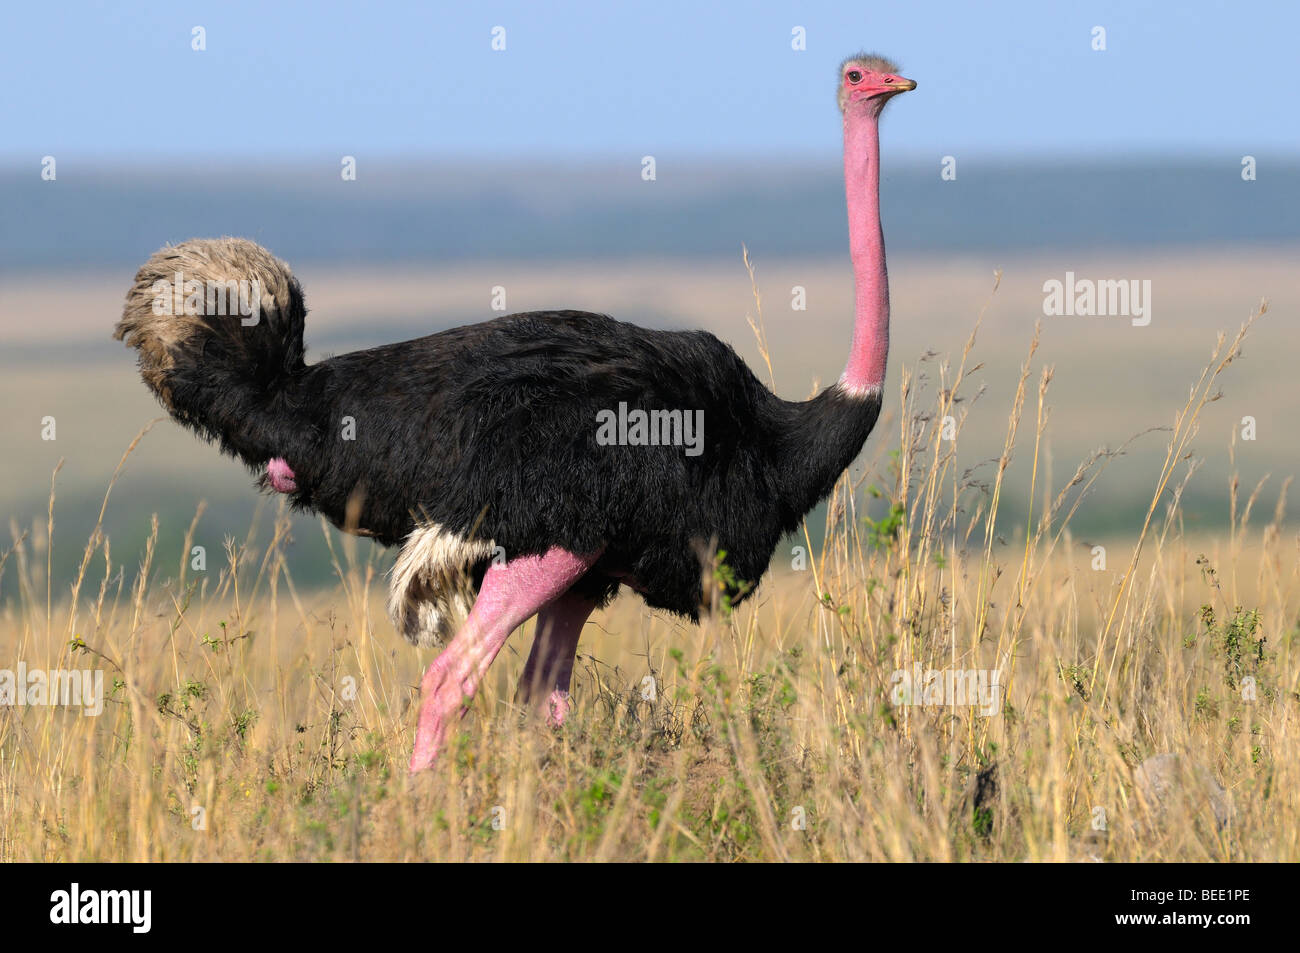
x,y
548,672
559,704
281,476
446,697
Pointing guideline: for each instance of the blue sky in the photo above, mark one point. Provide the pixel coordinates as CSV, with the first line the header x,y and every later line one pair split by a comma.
x,y
120,82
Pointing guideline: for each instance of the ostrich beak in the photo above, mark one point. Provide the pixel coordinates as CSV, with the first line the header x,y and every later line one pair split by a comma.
x,y
903,85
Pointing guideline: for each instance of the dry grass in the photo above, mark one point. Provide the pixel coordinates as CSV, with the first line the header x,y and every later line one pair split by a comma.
x,y
249,720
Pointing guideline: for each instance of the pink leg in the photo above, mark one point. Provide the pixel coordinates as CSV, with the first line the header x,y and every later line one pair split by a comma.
x,y
550,664
510,594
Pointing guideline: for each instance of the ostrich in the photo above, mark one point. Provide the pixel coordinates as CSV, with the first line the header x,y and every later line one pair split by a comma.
x,y
497,438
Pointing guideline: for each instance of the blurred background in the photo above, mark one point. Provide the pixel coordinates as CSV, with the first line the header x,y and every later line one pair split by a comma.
x,y
508,146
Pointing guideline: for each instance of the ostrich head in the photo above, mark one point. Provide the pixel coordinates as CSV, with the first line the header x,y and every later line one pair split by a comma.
x,y
868,82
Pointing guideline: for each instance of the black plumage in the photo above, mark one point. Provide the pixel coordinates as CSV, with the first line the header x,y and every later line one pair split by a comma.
x,y
490,430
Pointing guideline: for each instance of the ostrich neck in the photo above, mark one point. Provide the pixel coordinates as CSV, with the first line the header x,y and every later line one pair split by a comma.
x,y
820,437
865,370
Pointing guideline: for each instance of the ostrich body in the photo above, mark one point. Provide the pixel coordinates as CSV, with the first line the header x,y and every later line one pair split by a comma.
x,y
477,449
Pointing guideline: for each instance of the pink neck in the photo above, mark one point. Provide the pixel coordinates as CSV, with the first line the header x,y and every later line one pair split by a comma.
x,y
865,370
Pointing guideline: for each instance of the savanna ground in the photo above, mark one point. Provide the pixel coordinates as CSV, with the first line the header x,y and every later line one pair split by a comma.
x,y
250,718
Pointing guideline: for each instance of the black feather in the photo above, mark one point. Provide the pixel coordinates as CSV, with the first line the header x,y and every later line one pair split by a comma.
x,y
491,430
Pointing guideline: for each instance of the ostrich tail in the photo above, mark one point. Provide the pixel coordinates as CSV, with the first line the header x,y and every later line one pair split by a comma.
x,y
218,324
432,587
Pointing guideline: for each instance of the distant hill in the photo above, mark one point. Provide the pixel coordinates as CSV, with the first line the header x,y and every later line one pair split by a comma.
x,y
393,213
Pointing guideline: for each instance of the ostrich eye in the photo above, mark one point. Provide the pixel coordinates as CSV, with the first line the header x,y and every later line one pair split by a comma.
x,y
854,76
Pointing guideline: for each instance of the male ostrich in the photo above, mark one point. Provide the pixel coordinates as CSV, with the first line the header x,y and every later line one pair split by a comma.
x,y
485,439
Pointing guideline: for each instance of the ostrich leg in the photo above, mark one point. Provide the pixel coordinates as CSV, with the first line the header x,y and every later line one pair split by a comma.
x,y
550,664
510,594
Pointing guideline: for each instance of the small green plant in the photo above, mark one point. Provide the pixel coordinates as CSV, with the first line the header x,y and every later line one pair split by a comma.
x,y
1078,677
883,533
730,588
1236,640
